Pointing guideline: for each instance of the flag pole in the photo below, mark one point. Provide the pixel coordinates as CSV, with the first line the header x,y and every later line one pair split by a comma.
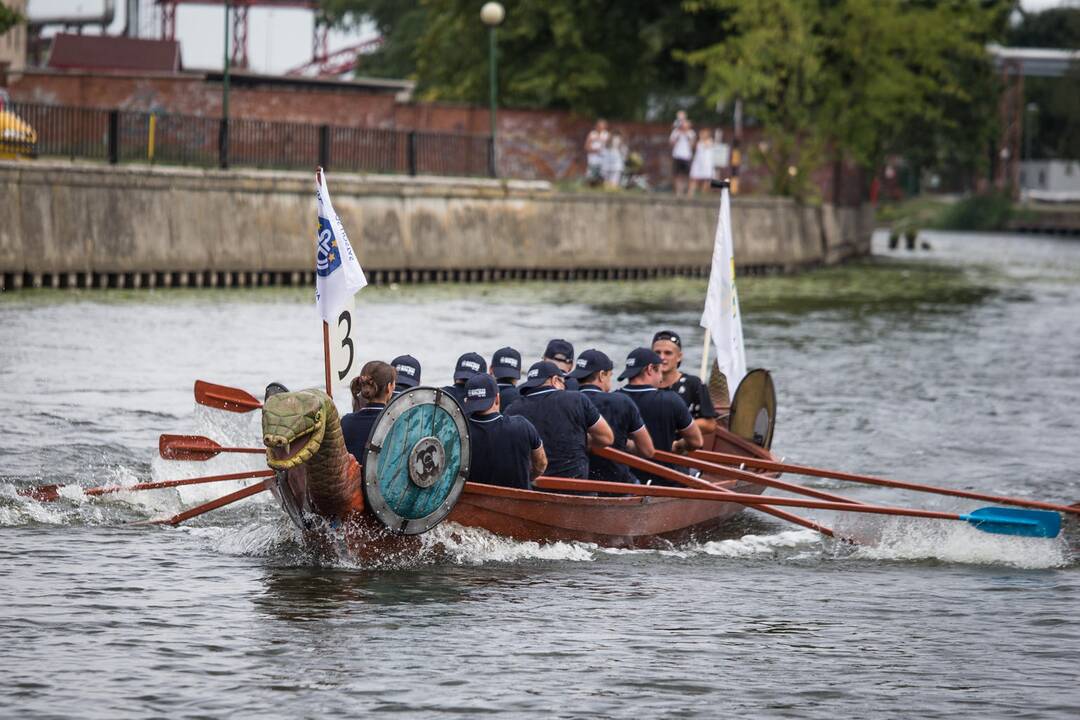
x,y
325,325
705,355
338,277
326,356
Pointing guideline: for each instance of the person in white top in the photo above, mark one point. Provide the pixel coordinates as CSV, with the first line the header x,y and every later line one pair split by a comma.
x,y
595,143
701,170
614,160
682,152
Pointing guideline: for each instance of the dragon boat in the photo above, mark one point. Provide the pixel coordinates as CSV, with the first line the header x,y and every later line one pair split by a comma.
x,y
418,463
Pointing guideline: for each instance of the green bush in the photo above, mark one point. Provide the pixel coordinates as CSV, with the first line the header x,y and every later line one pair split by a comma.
x,y
978,212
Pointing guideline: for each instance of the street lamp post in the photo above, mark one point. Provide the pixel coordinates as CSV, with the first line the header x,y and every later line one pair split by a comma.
x,y
1029,128
223,137
492,14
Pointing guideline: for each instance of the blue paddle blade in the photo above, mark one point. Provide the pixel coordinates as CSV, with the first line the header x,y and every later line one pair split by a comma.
x,y
1014,521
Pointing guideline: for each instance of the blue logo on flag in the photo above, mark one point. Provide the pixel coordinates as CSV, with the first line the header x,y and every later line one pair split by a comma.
x,y
327,255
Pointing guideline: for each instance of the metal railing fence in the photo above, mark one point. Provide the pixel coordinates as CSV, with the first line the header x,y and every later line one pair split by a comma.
x,y
134,136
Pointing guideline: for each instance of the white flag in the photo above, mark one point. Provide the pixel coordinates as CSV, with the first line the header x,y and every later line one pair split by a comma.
x,y
338,275
721,316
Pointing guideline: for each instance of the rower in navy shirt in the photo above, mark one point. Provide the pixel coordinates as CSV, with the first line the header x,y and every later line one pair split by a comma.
x,y
560,353
594,373
567,421
690,389
373,386
408,373
467,365
506,369
506,451
665,415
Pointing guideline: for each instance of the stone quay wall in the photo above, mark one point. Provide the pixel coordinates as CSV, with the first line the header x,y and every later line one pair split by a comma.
x,y
71,225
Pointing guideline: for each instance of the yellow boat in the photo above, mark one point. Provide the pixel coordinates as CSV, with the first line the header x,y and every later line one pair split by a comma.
x,y
17,139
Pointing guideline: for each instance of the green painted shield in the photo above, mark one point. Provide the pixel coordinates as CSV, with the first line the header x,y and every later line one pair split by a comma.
x,y
418,459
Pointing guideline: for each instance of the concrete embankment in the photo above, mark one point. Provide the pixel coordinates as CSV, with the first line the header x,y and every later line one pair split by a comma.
x,y
67,225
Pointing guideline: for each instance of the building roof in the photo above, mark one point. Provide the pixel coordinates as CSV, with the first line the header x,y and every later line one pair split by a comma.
x,y
1035,62
245,78
106,52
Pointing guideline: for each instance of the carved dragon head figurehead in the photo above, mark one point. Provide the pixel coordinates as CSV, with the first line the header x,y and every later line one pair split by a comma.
x,y
302,435
294,426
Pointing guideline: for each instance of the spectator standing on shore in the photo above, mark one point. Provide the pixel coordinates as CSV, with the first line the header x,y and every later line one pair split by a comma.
x,y
614,161
701,169
595,144
682,153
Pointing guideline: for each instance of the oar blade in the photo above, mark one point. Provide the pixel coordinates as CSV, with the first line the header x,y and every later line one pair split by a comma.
x,y
223,397
187,447
42,493
1014,521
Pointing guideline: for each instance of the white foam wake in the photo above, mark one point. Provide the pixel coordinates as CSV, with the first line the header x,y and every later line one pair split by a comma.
x,y
475,546
955,542
751,545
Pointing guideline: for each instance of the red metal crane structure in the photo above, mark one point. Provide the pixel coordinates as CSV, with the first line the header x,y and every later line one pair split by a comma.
x,y
338,62
321,58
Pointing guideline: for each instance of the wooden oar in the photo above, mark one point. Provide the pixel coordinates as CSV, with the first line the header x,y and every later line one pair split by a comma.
x,y
1003,521
757,478
869,480
49,493
665,472
196,447
223,397
212,505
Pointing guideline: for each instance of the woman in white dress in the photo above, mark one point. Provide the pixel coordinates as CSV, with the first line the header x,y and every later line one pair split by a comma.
x,y
701,169
614,160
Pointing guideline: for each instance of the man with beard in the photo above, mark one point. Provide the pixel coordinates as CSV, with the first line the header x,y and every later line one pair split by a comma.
x,y
593,371
666,416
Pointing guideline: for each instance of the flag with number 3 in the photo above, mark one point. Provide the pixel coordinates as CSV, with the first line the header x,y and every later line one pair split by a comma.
x,y
338,275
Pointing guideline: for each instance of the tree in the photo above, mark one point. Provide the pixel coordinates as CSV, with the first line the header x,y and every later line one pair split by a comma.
x,y
9,18
1053,28
849,77
399,22
596,57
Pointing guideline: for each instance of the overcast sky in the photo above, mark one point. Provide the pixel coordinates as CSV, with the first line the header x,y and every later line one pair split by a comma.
x,y
277,39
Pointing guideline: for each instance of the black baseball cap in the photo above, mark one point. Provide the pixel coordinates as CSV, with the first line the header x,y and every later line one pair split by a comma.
x,y
408,370
539,373
669,336
639,359
506,363
480,393
589,362
468,365
559,350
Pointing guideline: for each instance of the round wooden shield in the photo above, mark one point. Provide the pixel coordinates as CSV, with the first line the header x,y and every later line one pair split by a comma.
x,y
417,460
753,408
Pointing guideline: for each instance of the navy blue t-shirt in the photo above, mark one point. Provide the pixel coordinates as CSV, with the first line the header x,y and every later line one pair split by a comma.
x,y
571,384
356,428
507,395
502,450
693,392
624,418
457,392
665,414
562,418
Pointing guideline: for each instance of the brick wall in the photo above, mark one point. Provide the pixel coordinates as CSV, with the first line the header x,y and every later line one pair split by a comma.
x,y
532,144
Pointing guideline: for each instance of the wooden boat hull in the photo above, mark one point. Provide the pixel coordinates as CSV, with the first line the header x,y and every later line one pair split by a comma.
x,y
529,515
621,522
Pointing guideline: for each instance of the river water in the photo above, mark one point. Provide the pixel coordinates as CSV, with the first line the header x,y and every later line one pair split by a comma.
x,y
954,366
